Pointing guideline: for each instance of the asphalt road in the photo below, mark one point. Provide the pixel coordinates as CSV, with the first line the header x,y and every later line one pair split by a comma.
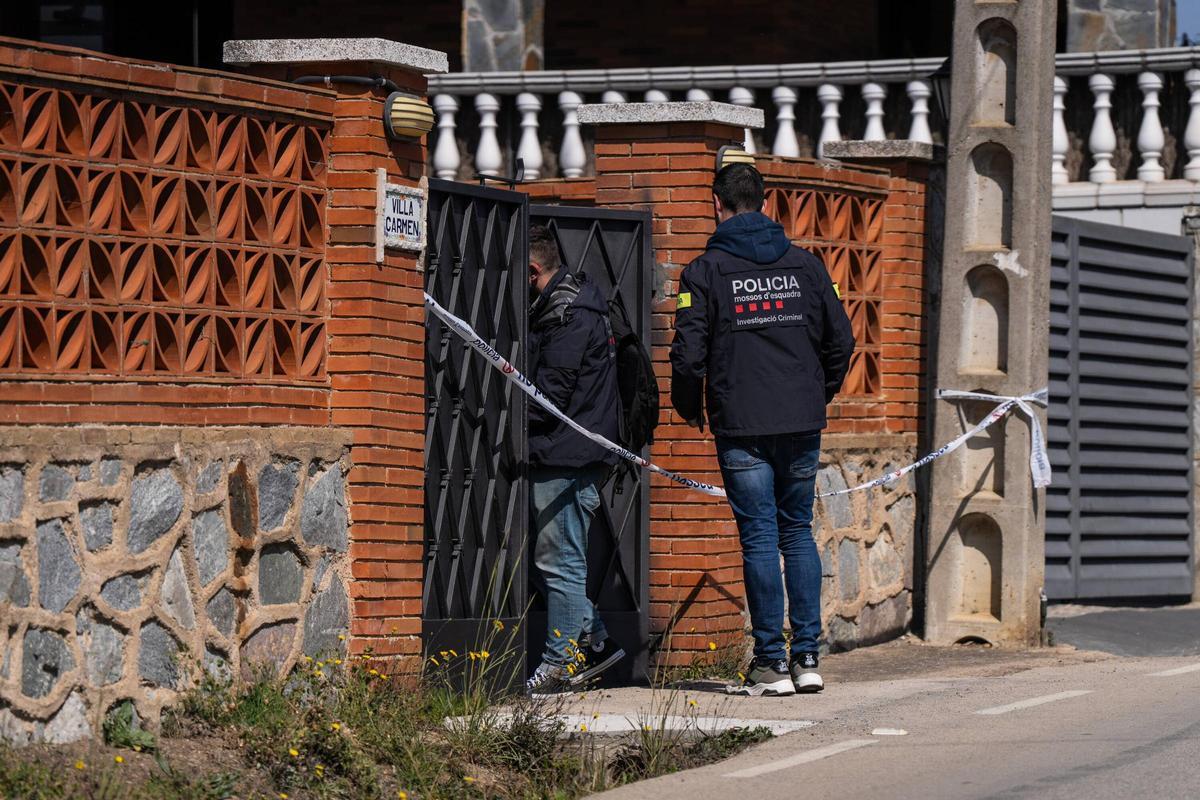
x,y
1110,728
1132,631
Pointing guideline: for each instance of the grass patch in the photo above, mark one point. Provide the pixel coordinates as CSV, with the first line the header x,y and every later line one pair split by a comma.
x,y
341,728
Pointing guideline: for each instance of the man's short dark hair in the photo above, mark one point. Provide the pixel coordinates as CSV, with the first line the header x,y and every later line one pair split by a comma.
x,y
543,248
740,188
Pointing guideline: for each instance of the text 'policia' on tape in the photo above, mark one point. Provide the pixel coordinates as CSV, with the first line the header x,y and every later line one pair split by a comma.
x,y
1039,462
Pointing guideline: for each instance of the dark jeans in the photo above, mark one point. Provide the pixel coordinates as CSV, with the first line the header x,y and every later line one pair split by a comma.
x,y
770,481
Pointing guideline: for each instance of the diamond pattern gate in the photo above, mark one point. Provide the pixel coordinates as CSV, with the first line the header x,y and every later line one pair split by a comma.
x,y
613,248
476,496
1119,516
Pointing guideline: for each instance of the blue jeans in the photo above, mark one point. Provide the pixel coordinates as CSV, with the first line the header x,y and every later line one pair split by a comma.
x,y
770,481
564,502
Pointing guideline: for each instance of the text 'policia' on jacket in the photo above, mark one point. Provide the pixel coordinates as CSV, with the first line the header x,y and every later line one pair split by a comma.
x,y
574,364
759,319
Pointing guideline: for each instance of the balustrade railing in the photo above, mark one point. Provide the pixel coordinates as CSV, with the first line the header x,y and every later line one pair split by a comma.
x,y
1122,115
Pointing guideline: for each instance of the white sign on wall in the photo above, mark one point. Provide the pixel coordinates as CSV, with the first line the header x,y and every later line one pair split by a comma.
x,y
402,216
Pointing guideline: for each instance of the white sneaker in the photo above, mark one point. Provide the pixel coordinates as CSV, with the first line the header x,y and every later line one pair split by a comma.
x,y
805,677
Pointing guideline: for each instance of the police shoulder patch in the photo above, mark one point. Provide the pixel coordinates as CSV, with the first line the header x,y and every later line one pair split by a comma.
x,y
685,301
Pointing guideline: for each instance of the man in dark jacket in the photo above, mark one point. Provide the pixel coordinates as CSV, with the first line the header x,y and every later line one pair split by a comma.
x,y
573,360
760,322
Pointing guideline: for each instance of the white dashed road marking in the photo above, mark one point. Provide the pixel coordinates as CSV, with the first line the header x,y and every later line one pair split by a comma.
x,y
801,758
889,732
1034,701
1167,673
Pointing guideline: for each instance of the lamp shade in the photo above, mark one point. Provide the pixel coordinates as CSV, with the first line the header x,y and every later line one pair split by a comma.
x,y
407,117
940,83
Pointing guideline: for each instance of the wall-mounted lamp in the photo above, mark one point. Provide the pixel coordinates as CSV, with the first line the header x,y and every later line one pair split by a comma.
x,y
407,117
940,82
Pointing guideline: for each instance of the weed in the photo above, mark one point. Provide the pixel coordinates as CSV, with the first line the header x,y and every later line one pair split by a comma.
x,y
120,730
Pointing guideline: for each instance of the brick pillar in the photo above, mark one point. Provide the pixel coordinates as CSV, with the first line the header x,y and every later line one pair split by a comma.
x,y
914,168
660,157
376,328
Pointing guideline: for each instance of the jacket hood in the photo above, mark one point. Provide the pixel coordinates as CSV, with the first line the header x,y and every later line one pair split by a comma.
x,y
567,290
752,236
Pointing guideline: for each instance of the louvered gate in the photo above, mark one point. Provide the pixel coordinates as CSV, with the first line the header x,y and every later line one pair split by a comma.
x,y
1119,514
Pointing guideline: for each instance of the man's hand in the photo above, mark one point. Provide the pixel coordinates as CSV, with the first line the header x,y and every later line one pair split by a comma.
x,y
697,423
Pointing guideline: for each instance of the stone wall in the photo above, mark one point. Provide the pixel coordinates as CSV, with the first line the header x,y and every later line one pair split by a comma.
x,y
865,540
134,559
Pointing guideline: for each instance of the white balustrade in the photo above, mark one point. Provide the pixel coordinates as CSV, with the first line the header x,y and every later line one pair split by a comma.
x,y
829,96
1105,134
919,93
874,94
786,143
741,96
1103,141
530,148
1191,136
1061,142
488,158
572,158
1151,139
446,159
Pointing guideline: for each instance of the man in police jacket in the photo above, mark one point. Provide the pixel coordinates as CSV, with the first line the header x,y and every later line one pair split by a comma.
x,y
762,341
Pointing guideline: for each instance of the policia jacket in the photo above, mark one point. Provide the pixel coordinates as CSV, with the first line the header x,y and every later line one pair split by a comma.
x,y
761,322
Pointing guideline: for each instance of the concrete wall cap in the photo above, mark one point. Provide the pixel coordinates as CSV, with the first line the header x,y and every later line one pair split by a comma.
x,y
888,149
708,111
335,51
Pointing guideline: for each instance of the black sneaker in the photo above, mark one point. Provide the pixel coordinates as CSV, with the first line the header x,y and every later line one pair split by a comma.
x,y
805,675
596,658
766,678
547,680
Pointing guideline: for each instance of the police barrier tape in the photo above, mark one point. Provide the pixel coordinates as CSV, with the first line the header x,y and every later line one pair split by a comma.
x,y
1039,463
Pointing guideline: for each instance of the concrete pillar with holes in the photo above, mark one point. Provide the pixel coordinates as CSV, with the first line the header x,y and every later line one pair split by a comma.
x,y
660,157
985,556
377,320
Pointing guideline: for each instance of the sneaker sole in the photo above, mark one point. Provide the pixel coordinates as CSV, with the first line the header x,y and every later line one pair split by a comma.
x,y
781,688
583,677
809,685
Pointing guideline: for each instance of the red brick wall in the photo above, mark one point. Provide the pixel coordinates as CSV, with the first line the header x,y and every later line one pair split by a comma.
x,y
376,367
162,237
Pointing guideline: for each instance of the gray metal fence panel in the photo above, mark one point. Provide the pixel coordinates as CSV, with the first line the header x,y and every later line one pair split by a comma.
x,y
1119,519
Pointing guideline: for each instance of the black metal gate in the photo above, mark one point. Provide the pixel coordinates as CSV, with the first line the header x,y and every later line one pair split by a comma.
x,y
1119,512
613,248
476,495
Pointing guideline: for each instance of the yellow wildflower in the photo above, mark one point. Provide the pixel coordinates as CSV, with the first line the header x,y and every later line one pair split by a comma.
x,y
498,624
557,633
119,759
484,654
444,654
712,645
308,659
583,727
742,676
596,715
573,643
341,637
436,663
454,653
283,796
692,703
473,655
337,661
374,672
401,794
468,779
337,726
80,765
293,752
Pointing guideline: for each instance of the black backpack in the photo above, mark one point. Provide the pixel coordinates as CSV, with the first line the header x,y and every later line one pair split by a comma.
x,y
636,383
